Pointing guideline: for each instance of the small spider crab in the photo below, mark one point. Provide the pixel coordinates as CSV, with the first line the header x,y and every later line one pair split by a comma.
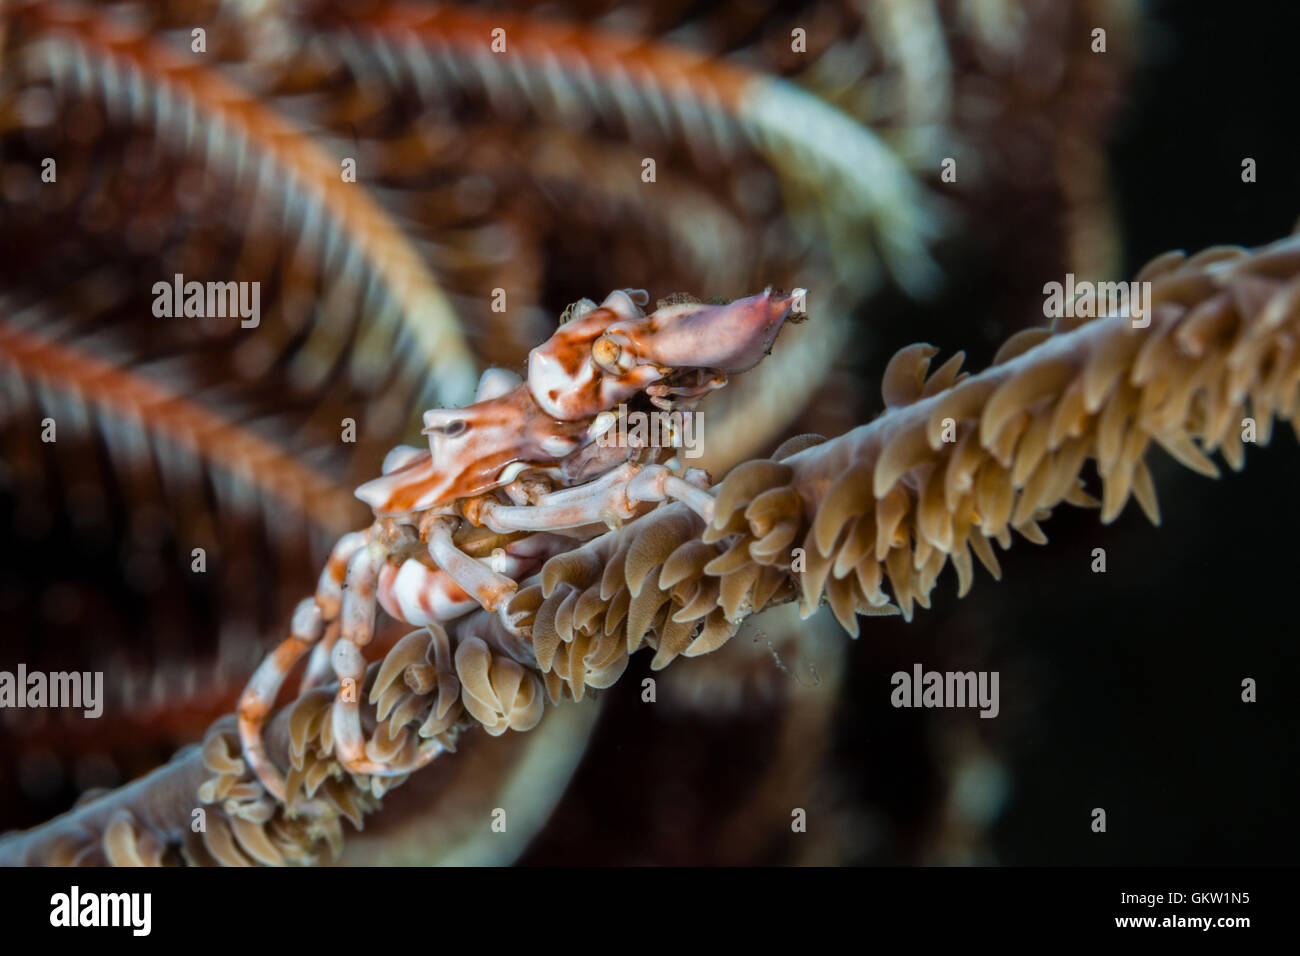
x,y
506,483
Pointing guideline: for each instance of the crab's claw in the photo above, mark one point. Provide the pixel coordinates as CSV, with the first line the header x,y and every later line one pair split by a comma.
x,y
732,338
607,353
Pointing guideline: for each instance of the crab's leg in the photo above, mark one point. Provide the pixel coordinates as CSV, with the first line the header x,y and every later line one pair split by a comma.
x,y
490,588
611,498
329,596
309,622
259,696
319,668
658,483
600,500
329,589
669,397
357,626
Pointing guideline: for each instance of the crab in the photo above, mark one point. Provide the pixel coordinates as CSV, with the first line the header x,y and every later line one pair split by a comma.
x,y
505,483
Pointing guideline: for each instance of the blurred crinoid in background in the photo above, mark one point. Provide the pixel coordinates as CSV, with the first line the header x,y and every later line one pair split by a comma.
x,y
419,192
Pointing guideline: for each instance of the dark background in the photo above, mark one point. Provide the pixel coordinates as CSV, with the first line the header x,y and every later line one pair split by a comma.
x,y
1131,681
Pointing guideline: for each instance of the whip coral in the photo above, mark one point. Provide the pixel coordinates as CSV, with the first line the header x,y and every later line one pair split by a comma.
x,y
866,522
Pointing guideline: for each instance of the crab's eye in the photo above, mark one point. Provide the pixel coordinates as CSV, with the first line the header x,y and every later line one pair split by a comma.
x,y
451,429
605,352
